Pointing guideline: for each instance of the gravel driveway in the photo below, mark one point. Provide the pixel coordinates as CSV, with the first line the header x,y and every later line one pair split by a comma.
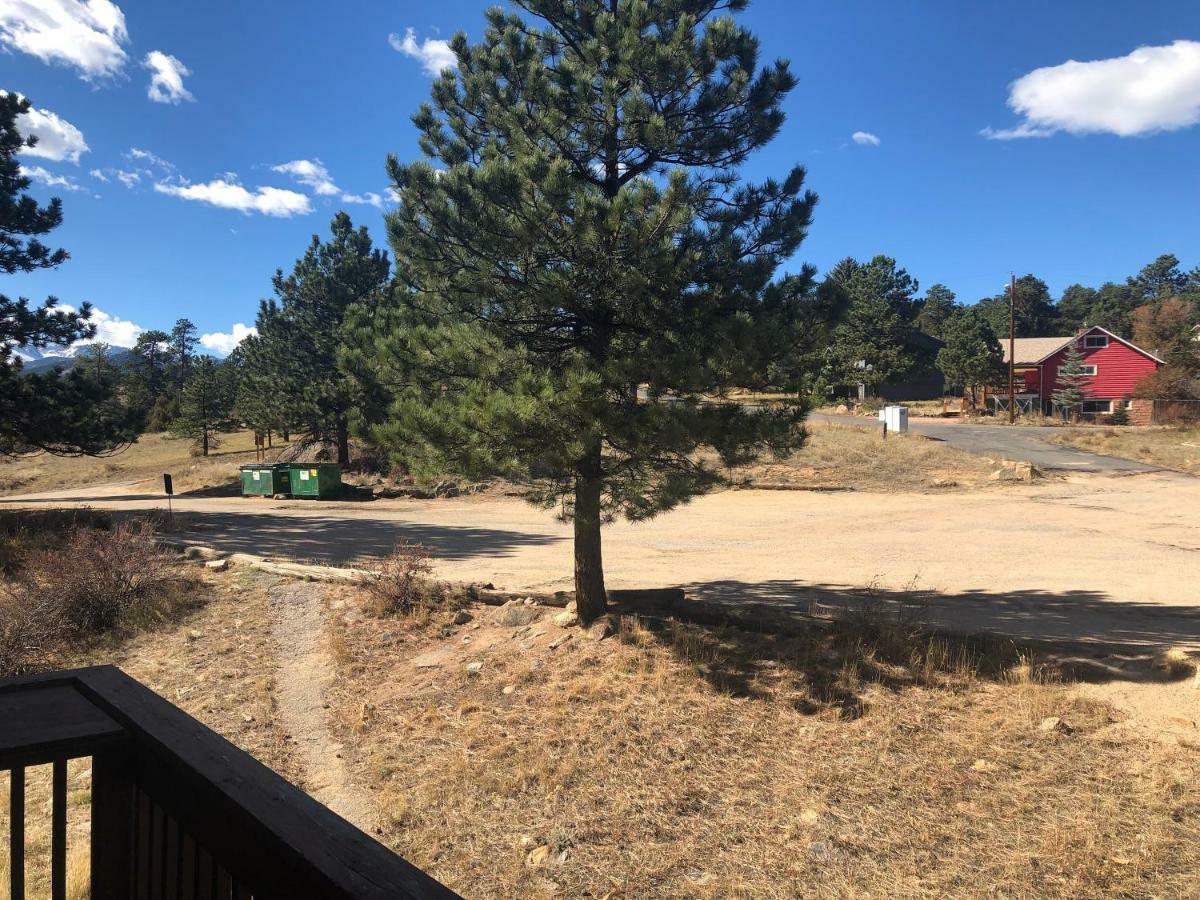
x,y
1019,443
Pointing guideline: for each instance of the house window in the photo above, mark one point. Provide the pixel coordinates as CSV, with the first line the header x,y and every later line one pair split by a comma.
x,y
1095,341
1088,370
1096,406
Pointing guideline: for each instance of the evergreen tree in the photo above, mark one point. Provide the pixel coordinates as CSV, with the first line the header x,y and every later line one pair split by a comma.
x,y
1112,308
1075,308
1070,387
295,355
874,342
578,245
972,356
938,307
65,414
182,348
205,403
1034,312
1158,280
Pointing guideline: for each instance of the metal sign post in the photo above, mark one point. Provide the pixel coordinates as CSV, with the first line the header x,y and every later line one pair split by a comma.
x,y
169,488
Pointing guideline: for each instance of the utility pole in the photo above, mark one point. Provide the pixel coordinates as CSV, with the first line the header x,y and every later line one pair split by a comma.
x,y
1012,347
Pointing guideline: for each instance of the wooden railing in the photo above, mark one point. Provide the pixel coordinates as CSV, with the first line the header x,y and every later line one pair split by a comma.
x,y
177,812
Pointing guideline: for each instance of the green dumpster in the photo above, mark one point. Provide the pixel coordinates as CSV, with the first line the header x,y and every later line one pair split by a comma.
x,y
264,480
317,480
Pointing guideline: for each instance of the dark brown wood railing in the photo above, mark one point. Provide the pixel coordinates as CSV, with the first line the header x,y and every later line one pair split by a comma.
x,y
178,812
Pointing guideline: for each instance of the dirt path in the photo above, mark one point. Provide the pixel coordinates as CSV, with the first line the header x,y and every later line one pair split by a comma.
x,y
306,670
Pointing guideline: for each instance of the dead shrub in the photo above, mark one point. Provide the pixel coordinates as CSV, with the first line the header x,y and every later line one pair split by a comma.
x,y
90,583
401,584
107,579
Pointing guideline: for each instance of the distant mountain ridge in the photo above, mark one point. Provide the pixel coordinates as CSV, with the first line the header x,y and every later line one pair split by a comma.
x,y
34,360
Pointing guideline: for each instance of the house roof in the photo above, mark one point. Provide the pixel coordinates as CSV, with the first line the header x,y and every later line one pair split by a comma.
x,y
1031,351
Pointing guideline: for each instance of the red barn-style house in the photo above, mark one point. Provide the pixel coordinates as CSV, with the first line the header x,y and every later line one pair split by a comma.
x,y
1114,366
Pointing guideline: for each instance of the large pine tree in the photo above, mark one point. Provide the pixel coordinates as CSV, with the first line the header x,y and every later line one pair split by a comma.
x,y
579,248
65,414
294,357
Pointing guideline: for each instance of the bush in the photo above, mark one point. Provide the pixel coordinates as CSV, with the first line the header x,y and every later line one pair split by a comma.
x,y
401,584
90,582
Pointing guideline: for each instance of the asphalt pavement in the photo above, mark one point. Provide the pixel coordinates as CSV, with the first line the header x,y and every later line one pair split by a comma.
x,y
1019,443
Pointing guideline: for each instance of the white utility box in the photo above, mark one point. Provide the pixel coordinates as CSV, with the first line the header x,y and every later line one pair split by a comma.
x,y
895,418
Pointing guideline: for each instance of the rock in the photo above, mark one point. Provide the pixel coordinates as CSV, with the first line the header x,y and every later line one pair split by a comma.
x,y
818,851
539,856
983,765
602,628
1028,471
1174,662
1004,475
515,613
560,641
571,606
195,635
508,689
446,489
567,619
1054,723
810,817
428,661
462,617
474,667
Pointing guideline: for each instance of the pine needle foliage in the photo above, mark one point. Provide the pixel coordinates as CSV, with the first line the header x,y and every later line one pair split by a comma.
x,y
583,268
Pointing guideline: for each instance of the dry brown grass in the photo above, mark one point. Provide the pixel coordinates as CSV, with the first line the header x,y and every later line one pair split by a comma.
x,y
218,664
149,458
678,761
1170,447
848,456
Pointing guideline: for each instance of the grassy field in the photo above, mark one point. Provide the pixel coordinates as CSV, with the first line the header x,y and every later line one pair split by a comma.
x,y
836,456
848,456
674,760
1169,447
150,457
679,761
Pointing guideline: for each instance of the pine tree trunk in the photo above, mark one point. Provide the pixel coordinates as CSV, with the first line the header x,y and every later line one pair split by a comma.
x,y
343,443
204,440
590,596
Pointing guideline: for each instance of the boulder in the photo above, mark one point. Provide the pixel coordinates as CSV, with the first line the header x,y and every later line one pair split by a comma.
x,y
1054,723
602,628
515,614
217,565
462,617
568,618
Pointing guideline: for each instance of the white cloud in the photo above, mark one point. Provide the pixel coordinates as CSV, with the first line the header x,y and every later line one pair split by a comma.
x,y
147,157
228,194
127,177
1152,89
109,329
434,54
50,179
57,139
226,342
114,330
370,198
866,138
166,78
311,173
85,34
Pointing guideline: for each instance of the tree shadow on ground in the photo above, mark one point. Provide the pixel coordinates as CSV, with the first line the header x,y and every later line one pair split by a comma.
x,y
337,540
821,647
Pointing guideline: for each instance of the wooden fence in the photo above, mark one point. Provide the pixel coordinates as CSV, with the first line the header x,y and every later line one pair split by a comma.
x,y
178,812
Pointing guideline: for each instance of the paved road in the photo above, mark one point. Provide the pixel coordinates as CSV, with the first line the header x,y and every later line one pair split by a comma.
x,y
1019,443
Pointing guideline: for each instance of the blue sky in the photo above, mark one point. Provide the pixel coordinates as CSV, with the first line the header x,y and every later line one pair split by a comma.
x,y
1095,176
